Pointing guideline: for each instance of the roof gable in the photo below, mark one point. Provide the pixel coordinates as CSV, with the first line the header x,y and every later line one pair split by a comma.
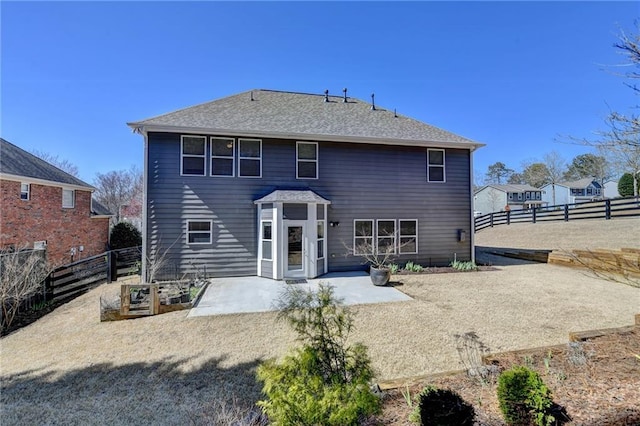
x,y
18,162
289,114
511,188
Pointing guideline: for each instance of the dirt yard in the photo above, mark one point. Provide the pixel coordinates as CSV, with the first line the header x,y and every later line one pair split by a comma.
x,y
70,368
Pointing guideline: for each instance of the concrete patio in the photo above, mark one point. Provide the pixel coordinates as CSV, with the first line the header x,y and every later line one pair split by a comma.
x,y
257,294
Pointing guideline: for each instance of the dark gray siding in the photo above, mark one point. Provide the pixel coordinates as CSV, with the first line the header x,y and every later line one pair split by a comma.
x,y
361,181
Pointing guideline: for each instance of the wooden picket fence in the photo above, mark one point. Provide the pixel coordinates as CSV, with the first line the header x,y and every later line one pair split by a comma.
x,y
603,209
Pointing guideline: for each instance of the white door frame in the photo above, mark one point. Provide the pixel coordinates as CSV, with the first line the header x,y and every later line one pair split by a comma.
x,y
296,273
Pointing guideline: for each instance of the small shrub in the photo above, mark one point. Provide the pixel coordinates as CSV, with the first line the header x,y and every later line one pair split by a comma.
x,y
464,266
413,267
524,398
326,381
124,235
394,268
442,407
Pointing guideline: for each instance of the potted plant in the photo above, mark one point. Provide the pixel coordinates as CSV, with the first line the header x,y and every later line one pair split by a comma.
x,y
379,258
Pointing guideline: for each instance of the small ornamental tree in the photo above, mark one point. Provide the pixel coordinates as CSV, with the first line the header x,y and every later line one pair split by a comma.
x,y
124,235
625,185
326,381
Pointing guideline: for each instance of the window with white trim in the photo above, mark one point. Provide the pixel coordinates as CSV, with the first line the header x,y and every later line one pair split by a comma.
x,y
25,191
192,155
199,232
267,229
306,160
249,157
222,156
68,198
363,236
386,236
321,239
408,236
435,165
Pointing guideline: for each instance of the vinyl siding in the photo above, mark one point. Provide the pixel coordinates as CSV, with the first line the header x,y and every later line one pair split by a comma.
x,y
361,181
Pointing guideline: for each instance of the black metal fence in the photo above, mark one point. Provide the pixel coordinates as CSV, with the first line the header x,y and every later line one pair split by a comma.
x,y
603,209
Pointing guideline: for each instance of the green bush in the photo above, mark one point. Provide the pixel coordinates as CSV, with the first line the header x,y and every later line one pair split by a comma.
x,y
464,266
442,407
326,382
523,398
124,235
413,267
625,185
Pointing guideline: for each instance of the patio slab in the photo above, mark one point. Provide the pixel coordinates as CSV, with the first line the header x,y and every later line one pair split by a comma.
x,y
257,294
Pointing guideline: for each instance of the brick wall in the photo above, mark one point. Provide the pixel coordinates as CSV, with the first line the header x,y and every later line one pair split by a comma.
x,y
42,218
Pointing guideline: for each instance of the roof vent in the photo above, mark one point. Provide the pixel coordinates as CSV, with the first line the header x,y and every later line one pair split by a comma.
x,y
345,94
373,103
252,95
326,95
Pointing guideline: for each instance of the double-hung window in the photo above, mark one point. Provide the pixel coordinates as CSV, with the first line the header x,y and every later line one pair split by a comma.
x,y
386,236
25,191
249,158
68,198
222,156
435,165
267,229
192,153
306,160
363,237
408,236
199,232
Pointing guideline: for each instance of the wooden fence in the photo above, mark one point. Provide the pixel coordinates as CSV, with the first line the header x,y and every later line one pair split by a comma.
x,y
68,280
603,209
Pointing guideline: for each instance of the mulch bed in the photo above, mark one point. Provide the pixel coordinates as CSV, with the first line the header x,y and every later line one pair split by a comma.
x,y
444,270
597,381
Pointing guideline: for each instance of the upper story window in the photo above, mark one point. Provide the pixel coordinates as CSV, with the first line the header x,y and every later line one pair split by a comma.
x,y
25,191
68,198
192,153
222,157
435,165
519,196
538,195
199,232
528,195
306,160
511,195
249,157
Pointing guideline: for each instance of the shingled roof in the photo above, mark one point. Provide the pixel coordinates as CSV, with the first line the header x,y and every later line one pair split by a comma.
x,y
270,113
17,162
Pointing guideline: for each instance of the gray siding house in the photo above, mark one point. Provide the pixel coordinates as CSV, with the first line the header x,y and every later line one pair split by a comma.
x,y
279,184
495,198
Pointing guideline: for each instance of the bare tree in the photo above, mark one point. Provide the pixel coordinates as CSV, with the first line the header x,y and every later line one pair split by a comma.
x,y
61,163
556,166
22,273
117,189
494,197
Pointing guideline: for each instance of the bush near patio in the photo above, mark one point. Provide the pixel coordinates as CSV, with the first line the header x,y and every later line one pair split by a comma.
x,y
326,381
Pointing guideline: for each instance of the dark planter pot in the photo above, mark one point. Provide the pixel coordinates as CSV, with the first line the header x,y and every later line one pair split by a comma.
x,y
380,276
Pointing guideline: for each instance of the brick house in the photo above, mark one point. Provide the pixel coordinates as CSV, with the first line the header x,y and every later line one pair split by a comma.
x,y
43,206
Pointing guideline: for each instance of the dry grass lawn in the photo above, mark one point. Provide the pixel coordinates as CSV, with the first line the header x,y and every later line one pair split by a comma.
x,y
69,368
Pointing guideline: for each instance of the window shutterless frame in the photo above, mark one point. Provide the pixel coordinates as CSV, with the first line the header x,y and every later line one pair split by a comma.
x,y
266,230
306,160
408,231
386,235
193,151
363,234
223,157
68,198
25,191
249,158
199,232
436,171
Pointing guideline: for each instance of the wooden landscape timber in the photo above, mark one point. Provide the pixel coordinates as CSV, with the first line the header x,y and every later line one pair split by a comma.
x,y
489,358
625,261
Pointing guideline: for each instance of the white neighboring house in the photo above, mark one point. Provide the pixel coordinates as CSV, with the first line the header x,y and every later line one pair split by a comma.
x,y
579,191
611,189
495,198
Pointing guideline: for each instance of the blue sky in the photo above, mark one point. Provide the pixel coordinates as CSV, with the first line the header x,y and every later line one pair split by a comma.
x,y
513,75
